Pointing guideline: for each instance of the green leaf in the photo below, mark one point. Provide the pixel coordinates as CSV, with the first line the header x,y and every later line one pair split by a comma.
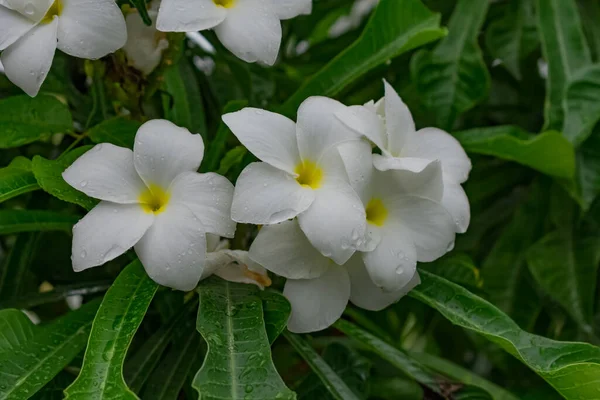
x,y
458,268
119,131
233,158
238,364
16,179
571,368
276,309
462,375
15,221
548,152
49,176
394,356
565,265
140,5
452,78
16,265
565,50
216,148
506,278
330,379
396,27
345,362
26,370
119,317
15,330
60,293
55,388
513,36
170,376
25,119
582,104
184,107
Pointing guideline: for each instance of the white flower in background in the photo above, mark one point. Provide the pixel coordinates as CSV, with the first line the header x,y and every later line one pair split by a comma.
x,y
232,265
360,10
317,288
145,44
302,175
154,200
31,30
250,29
389,124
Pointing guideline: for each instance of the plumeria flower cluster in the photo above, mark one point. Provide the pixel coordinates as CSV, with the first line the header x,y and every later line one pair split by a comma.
x,y
339,222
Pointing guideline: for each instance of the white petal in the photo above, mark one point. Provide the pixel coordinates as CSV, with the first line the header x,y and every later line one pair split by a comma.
x,y
106,172
386,163
28,60
365,121
91,28
143,49
189,15
429,182
456,202
12,26
435,144
106,232
242,269
431,227
393,263
398,120
265,195
335,223
214,242
209,196
318,128
270,137
287,9
32,10
365,294
251,31
174,248
162,150
284,250
358,161
317,303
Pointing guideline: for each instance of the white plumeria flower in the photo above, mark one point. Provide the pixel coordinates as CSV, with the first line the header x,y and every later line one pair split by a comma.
x,y
31,30
406,220
317,288
154,200
145,44
250,29
302,175
232,265
389,124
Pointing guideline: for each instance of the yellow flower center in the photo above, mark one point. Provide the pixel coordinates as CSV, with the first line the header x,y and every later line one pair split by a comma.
x,y
309,174
376,212
154,199
225,3
54,11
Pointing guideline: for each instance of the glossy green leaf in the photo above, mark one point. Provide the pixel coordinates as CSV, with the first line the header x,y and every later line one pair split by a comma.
x,y
513,36
54,390
276,309
396,27
573,369
582,104
140,5
121,313
394,356
565,50
49,176
16,265
394,388
170,375
16,179
452,78
548,152
233,158
119,131
238,364
15,221
26,370
331,380
15,330
458,268
184,106
27,119
462,375
506,278
350,366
